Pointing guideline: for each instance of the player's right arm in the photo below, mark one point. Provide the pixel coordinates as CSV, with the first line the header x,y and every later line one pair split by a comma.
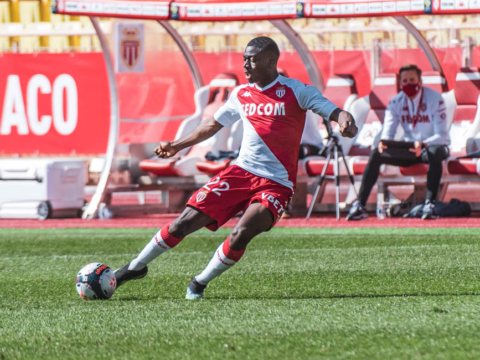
x,y
227,115
205,130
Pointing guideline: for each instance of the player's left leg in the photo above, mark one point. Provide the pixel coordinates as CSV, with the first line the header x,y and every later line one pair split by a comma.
x,y
256,219
165,239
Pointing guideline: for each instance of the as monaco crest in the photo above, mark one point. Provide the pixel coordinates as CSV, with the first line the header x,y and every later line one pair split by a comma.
x,y
130,47
280,91
201,196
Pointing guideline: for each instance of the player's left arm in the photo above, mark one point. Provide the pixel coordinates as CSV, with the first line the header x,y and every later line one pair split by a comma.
x,y
310,98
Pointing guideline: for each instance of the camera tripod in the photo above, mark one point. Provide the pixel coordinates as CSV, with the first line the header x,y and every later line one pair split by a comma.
x,y
334,146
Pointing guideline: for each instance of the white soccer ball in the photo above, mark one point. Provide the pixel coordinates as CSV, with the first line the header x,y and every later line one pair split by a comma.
x,y
96,281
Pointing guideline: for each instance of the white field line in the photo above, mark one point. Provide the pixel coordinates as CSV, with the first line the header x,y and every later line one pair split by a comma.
x,y
180,253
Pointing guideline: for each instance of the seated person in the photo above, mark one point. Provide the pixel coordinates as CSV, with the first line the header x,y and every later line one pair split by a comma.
x,y
422,114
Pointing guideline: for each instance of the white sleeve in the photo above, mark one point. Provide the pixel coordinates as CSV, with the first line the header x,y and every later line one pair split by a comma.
x,y
229,113
441,136
309,98
390,122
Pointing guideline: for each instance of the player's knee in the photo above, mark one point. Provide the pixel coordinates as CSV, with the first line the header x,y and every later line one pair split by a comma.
x,y
182,226
175,228
239,238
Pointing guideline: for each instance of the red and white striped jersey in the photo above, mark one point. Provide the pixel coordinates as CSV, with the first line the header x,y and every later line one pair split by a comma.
x,y
273,120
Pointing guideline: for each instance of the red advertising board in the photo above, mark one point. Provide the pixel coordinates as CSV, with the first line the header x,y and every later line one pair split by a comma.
x,y
53,104
225,10
145,9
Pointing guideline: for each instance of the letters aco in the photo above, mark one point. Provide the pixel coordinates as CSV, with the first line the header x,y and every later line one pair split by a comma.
x,y
25,119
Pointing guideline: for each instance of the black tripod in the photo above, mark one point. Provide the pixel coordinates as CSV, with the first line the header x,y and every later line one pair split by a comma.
x,y
332,146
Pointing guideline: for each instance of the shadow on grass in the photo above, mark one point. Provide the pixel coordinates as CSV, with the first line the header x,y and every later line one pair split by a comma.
x,y
299,297
139,298
326,297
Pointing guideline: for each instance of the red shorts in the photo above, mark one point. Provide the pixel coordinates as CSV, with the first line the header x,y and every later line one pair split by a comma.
x,y
233,190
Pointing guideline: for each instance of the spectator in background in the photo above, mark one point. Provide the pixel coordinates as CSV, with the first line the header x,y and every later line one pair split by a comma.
x,y
422,114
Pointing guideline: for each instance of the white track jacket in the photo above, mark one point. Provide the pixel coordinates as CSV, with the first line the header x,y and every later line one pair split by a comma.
x,y
424,119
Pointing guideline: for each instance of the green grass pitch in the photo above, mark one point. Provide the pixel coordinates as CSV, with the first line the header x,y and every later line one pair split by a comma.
x,y
296,294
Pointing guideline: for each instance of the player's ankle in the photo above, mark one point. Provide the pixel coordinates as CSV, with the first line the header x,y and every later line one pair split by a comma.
x,y
136,265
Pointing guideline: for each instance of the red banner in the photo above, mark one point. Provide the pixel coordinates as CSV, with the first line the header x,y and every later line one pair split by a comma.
x,y
225,10
53,104
145,9
359,8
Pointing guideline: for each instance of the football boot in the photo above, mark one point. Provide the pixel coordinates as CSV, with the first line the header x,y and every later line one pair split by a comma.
x,y
123,274
195,290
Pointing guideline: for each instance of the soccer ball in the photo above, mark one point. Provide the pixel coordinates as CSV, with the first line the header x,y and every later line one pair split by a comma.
x,y
96,281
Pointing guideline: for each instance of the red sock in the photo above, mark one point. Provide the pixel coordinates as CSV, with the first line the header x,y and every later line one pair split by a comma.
x,y
234,255
168,238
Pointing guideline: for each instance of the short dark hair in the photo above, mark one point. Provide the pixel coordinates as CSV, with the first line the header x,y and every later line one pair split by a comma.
x,y
410,67
264,43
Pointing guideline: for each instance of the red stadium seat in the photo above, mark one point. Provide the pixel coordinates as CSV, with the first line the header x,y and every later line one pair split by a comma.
x,y
435,81
341,90
213,167
466,121
208,100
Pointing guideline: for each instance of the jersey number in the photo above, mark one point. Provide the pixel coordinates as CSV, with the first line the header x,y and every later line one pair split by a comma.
x,y
223,186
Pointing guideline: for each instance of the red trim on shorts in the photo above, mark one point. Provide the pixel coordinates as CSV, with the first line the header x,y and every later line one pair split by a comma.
x,y
168,238
234,255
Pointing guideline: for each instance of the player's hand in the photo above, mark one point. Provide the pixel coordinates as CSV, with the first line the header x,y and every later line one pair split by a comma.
x,y
346,122
381,147
165,150
417,148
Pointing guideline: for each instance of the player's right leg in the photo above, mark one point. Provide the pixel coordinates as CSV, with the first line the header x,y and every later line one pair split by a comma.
x,y
256,219
165,239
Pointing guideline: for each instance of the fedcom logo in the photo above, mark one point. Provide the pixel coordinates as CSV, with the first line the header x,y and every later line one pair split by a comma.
x,y
25,119
264,109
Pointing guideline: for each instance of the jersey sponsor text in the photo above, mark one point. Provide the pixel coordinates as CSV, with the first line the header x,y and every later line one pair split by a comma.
x,y
415,119
264,109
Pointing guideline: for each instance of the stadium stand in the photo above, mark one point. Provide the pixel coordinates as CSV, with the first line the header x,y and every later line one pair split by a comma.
x,y
338,34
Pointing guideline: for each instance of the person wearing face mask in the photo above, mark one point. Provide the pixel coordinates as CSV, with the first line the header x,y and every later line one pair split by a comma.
x,y
422,114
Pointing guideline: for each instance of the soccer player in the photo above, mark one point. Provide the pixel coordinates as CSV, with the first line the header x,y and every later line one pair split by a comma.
x,y
272,109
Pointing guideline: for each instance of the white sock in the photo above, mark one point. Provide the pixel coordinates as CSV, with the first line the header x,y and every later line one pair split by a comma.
x,y
152,250
219,263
